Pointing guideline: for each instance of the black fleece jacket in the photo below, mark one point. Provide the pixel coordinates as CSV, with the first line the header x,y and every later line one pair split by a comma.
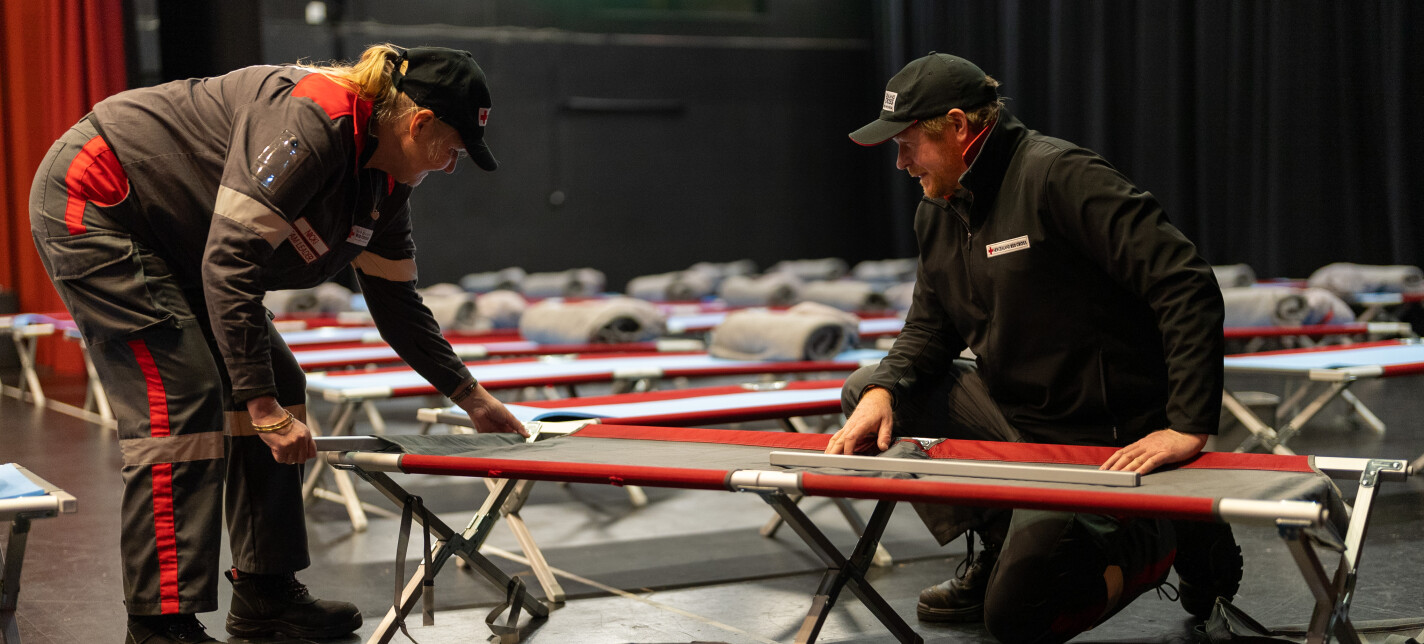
x,y
1093,319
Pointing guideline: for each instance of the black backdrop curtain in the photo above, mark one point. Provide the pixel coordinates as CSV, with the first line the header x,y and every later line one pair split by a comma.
x,y
1280,134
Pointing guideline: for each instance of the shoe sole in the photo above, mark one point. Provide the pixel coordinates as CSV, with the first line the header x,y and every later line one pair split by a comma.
x,y
927,613
252,628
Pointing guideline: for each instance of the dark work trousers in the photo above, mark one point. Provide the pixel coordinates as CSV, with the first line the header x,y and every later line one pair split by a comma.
x,y
156,357
1048,584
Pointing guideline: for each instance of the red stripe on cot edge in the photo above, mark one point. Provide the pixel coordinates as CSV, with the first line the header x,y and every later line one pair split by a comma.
x,y
1093,455
1347,347
1036,498
787,440
166,537
1310,330
1401,369
619,475
94,175
674,394
739,415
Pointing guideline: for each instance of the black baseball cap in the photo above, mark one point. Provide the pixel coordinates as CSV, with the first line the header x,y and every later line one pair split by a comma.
x,y
450,84
926,88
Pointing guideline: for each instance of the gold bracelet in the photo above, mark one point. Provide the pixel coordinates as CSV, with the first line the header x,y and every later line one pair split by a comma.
x,y
464,392
277,426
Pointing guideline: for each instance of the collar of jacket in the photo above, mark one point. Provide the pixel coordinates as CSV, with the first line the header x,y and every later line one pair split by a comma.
x,y
986,174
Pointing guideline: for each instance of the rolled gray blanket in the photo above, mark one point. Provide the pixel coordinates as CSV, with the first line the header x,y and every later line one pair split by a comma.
x,y
617,319
716,272
507,279
1264,306
829,268
453,307
1229,275
1324,307
886,271
772,289
289,301
500,309
758,334
846,295
901,295
677,286
576,282
1345,279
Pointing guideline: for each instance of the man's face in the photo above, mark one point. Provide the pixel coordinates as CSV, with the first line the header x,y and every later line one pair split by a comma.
x,y
937,160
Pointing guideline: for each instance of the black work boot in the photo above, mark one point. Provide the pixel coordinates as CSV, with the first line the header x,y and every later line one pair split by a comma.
x,y
166,629
263,605
960,599
1208,565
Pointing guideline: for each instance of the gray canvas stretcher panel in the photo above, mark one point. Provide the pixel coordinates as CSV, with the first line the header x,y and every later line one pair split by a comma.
x,y
1191,483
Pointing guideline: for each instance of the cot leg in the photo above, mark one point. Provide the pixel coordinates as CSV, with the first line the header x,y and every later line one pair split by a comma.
x,y
842,572
1363,412
553,591
378,423
882,556
1299,420
342,418
465,544
96,388
10,562
25,348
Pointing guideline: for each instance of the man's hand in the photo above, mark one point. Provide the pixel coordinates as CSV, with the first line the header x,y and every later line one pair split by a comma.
x,y
1159,448
290,445
871,423
489,415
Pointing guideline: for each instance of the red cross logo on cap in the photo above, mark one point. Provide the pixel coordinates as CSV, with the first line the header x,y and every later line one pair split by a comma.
x,y
484,116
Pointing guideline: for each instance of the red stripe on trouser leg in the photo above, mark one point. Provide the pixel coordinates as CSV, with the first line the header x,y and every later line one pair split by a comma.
x,y
164,526
93,176
166,534
157,396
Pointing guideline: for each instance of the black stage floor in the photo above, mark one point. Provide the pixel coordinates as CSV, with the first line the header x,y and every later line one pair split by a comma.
x,y
688,567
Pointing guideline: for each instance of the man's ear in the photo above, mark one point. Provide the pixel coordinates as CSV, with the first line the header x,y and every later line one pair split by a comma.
x,y
958,125
420,120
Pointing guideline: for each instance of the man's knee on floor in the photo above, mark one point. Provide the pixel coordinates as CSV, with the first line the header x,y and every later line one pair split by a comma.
x,y
853,387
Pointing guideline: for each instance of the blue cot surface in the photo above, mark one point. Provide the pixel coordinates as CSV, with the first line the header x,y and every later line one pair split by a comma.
x,y
13,484
1306,360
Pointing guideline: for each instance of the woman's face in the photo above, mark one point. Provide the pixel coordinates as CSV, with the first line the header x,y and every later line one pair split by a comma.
x,y
428,145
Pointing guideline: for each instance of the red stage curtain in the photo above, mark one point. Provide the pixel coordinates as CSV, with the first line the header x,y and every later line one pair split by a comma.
x,y
59,58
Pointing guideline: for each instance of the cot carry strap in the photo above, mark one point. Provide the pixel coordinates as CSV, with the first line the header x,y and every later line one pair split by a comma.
x,y
414,504
513,599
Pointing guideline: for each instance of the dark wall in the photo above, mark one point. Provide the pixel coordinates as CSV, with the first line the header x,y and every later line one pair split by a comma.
x,y
637,141
1279,134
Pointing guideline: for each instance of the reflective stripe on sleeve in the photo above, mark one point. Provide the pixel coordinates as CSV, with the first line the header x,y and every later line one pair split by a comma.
x,y
395,270
183,448
252,215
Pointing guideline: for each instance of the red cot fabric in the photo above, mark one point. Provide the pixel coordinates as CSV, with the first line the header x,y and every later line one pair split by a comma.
x,y
1357,345
737,415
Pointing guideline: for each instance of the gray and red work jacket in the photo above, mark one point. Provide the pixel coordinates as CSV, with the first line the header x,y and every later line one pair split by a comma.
x,y
255,181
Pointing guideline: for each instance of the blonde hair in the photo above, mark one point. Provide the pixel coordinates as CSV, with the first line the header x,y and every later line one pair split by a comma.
x,y
370,77
977,117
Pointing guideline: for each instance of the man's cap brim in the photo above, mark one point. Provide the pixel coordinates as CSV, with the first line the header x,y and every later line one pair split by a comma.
x,y
879,131
482,156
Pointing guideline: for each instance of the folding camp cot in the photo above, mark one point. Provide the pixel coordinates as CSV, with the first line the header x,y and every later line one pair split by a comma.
x,y
1317,334
870,328
1291,493
25,331
1334,369
23,498
784,401
1379,304
350,390
368,351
